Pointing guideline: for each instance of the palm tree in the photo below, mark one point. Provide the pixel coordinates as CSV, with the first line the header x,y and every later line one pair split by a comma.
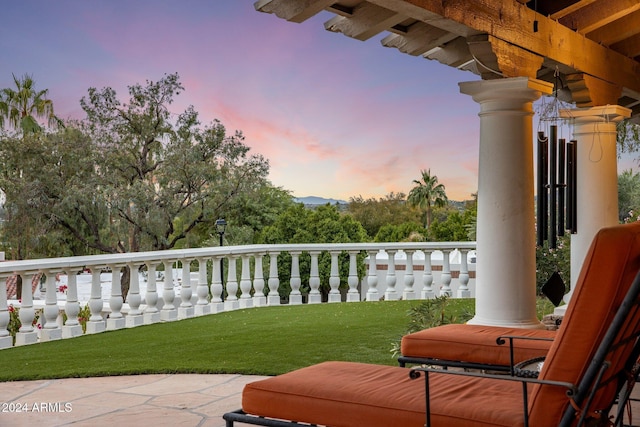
x,y
24,104
427,193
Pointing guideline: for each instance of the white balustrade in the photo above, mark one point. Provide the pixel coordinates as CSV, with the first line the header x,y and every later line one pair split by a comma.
x,y
151,313
26,334
245,283
394,267
259,299
334,278
295,297
72,327
186,309
231,302
202,289
314,279
168,313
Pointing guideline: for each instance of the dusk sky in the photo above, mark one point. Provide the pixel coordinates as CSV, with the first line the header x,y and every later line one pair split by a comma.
x,y
336,117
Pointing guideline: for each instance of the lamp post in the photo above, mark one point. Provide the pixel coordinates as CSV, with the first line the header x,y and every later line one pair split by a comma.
x,y
221,226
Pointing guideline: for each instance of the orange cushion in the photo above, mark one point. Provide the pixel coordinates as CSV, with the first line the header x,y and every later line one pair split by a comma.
x,y
475,343
347,394
606,275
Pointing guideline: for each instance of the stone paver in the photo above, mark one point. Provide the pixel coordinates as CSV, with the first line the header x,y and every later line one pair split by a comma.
x,y
158,400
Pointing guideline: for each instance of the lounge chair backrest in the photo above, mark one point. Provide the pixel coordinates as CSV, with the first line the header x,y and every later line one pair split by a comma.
x,y
608,271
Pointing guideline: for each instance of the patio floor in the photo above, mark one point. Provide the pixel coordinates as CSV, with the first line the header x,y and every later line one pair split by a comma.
x,y
188,400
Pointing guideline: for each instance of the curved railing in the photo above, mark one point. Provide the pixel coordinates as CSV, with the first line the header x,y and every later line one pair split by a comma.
x,y
56,290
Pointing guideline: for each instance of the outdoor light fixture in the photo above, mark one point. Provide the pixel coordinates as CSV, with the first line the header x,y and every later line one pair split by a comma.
x,y
221,226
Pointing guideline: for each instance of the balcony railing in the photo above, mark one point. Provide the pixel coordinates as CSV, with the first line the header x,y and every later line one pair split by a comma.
x,y
178,284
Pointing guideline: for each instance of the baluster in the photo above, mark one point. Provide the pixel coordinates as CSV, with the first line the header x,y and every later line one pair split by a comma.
x,y
231,302
217,305
134,317
6,340
353,295
168,312
427,277
151,314
314,279
390,294
96,323
245,283
295,297
445,289
409,293
259,299
51,330
186,309
115,320
334,277
372,278
463,290
202,289
27,334
72,327
274,281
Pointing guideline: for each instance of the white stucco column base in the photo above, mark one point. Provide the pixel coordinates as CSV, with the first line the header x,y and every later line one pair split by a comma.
x,y
596,180
506,263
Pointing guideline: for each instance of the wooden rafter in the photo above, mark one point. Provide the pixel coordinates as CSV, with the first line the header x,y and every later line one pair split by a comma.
x,y
598,14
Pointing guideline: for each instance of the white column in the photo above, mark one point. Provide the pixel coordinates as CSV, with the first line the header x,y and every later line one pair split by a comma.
x,y
27,333
352,280
72,327
50,330
314,279
506,268
295,297
245,282
259,299
334,277
186,309
134,317
390,294
168,312
274,281
151,314
427,277
116,319
6,340
96,323
408,292
597,177
202,289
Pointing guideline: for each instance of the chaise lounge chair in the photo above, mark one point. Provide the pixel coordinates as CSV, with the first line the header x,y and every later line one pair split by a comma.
x,y
591,363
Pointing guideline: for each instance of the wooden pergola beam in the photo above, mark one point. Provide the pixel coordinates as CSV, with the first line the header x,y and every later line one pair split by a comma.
x,y
512,22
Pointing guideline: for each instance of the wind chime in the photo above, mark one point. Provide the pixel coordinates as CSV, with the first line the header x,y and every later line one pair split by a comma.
x,y
556,180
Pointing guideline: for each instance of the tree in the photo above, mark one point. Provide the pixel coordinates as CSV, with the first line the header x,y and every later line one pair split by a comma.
x,y
132,176
628,195
373,213
427,193
22,106
628,137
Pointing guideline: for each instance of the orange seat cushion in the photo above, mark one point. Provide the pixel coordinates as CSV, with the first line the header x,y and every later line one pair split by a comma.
x,y
347,394
475,343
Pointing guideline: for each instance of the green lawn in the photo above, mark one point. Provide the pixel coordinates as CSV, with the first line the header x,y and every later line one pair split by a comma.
x,y
266,341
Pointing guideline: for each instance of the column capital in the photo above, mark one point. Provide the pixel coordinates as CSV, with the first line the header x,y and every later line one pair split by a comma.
x,y
605,113
521,88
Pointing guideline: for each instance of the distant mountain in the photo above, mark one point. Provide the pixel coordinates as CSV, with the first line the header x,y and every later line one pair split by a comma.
x,y
313,200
